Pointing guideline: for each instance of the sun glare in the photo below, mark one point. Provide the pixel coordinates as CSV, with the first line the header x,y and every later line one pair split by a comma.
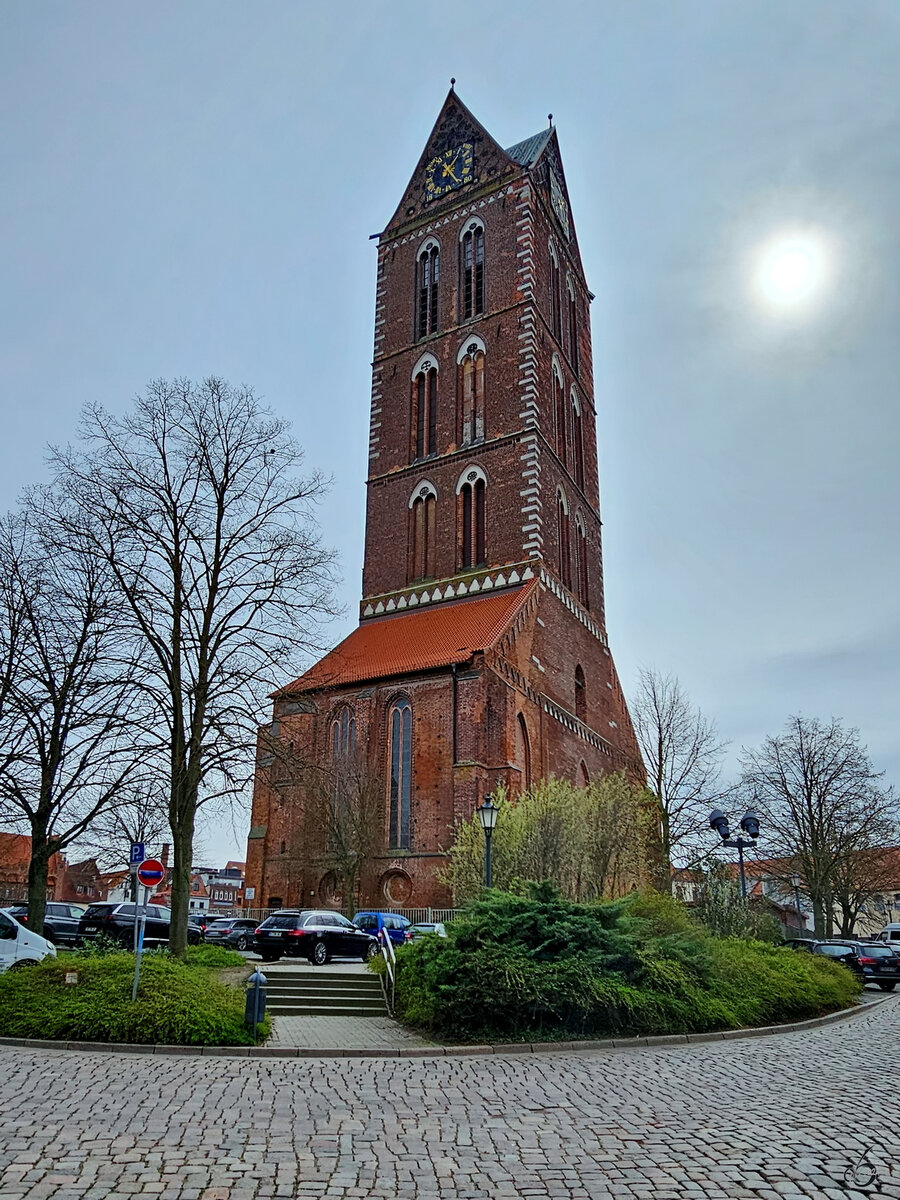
x,y
792,270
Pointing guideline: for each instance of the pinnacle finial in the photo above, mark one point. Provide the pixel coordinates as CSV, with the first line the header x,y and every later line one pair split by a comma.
x,y
550,119
452,83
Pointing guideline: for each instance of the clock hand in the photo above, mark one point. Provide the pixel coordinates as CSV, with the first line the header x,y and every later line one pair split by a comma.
x,y
448,169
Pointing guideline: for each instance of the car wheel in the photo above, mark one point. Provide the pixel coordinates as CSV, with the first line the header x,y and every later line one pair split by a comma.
x,y
371,951
319,955
887,987
241,943
23,963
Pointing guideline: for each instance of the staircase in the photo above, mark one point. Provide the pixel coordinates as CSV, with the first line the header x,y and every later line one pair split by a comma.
x,y
324,993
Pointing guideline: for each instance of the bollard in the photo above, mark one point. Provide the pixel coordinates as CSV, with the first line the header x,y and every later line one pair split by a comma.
x,y
255,1007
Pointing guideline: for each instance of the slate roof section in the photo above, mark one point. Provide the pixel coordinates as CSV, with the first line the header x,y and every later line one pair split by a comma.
x,y
528,152
418,640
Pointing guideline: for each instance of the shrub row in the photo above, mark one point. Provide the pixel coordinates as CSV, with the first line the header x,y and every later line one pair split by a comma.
x,y
178,1003
539,967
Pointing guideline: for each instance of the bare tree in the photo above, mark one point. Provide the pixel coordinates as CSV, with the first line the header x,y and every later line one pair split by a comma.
x,y
822,807
68,754
141,816
192,503
683,755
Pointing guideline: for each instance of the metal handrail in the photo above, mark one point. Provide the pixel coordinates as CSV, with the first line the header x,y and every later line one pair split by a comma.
x,y
390,962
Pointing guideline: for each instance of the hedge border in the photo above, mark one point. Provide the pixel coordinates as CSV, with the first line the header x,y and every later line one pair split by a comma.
x,y
500,1049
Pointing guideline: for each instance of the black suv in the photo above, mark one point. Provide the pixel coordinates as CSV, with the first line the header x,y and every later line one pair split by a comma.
x,y
871,961
60,921
313,934
118,920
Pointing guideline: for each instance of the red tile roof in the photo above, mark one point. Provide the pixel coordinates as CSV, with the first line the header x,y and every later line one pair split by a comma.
x,y
419,640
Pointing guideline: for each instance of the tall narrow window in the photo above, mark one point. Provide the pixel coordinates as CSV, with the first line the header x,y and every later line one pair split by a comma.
x,y
472,551
581,564
423,414
422,533
561,416
428,270
523,753
343,734
577,442
573,327
400,733
580,704
471,393
562,540
555,299
472,264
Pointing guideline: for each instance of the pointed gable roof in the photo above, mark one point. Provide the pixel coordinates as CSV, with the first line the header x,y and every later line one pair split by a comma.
x,y
528,152
455,124
418,640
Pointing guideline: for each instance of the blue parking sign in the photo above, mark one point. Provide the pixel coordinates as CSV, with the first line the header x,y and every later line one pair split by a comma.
x,y
137,855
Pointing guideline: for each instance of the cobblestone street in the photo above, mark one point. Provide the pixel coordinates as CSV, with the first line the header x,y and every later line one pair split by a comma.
x,y
777,1117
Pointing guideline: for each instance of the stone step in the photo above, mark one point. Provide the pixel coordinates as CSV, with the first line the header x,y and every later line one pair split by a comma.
x,y
282,1009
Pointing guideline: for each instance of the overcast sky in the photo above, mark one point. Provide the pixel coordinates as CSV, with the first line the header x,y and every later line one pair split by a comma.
x,y
188,189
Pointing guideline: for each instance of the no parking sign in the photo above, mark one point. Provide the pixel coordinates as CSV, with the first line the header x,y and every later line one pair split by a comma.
x,y
151,872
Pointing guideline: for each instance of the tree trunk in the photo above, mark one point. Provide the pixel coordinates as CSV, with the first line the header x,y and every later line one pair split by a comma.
x,y
818,916
42,850
183,841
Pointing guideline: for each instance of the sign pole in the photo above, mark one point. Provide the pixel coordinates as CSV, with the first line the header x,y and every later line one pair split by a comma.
x,y
151,873
140,945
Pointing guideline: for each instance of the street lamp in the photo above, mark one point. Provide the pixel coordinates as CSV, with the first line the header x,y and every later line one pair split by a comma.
x,y
795,884
487,815
749,824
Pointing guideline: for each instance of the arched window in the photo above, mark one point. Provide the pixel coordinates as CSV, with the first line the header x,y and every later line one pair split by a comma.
x,y
555,299
580,706
561,416
470,506
577,441
523,753
422,532
423,410
343,734
400,735
582,778
562,539
471,261
428,269
470,387
581,563
573,323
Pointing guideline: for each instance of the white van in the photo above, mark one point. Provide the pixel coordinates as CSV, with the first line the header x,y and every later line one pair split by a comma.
x,y
20,947
890,933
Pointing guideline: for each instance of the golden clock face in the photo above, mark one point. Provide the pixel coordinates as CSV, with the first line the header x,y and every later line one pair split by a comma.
x,y
558,200
449,171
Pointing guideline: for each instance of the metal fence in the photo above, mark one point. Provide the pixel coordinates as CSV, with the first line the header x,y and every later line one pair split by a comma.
x,y
415,915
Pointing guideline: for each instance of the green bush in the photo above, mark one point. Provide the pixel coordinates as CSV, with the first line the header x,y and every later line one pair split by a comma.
x,y
524,967
178,1003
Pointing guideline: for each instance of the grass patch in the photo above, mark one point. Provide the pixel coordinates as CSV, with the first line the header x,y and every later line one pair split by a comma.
x,y
178,1003
537,968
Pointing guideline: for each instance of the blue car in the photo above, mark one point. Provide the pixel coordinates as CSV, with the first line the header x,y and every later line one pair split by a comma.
x,y
382,925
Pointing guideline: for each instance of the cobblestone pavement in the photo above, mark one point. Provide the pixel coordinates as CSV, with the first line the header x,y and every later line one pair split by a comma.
x,y
779,1117
353,1033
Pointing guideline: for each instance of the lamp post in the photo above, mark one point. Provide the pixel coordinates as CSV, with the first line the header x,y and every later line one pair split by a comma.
x,y
749,824
487,815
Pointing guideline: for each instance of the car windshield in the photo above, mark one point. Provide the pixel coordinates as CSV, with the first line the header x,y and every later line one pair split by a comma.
x,y
99,910
222,924
425,928
834,951
366,921
877,951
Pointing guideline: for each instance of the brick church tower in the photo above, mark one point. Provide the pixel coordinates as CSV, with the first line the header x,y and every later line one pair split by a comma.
x,y
481,656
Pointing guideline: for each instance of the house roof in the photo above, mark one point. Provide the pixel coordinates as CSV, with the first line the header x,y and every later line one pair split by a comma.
x,y
15,849
420,640
529,151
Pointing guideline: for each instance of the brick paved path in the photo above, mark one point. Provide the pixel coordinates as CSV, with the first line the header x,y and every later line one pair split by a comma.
x,y
356,1033
777,1117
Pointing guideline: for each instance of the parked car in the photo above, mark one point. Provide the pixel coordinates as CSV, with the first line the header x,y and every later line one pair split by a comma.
x,y
872,962
231,931
60,921
313,934
890,933
19,947
424,928
200,919
118,921
381,925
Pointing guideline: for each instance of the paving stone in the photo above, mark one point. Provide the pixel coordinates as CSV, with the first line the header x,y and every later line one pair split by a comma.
x,y
779,1117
